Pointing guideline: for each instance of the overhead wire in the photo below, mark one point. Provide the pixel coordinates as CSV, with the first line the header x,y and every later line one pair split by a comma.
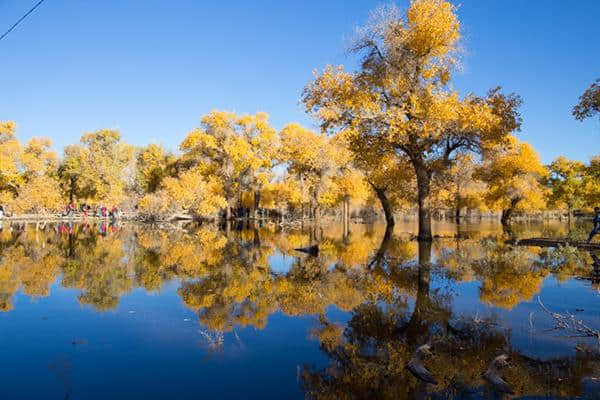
x,y
21,19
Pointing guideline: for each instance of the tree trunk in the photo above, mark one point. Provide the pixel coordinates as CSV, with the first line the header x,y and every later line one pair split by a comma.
x,y
379,257
423,191
316,209
256,203
256,239
508,213
345,212
317,214
71,190
346,215
458,203
385,204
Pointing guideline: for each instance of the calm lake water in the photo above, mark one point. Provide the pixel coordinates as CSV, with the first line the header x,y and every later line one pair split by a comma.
x,y
94,311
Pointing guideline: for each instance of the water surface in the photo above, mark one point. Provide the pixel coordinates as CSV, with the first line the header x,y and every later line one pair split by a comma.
x,y
96,311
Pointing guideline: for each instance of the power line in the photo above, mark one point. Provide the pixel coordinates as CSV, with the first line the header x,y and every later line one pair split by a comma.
x,y
21,19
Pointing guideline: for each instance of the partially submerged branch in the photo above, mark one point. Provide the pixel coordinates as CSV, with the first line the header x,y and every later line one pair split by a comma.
x,y
569,323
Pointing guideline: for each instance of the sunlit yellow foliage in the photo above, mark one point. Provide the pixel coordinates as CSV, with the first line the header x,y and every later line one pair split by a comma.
x,y
513,173
151,167
237,150
399,99
566,183
27,174
311,158
456,188
592,183
99,169
280,194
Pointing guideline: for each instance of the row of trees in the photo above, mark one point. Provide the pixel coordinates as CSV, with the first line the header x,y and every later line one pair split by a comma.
x,y
394,131
234,160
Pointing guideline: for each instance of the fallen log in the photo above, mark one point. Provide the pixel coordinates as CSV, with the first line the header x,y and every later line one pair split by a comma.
x,y
181,217
555,242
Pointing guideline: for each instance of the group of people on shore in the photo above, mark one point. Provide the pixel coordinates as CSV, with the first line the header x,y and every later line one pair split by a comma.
x,y
87,211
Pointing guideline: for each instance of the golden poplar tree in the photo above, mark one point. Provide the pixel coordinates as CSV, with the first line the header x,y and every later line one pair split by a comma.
x,y
401,95
513,174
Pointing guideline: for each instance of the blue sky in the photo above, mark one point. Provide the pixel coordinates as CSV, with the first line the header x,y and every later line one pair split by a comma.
x,y
151,68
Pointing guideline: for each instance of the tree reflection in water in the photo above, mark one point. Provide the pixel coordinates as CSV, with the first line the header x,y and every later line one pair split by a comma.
x,y
382,280
368,357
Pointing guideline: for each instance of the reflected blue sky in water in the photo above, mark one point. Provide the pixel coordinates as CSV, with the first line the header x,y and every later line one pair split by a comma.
x,y
152,345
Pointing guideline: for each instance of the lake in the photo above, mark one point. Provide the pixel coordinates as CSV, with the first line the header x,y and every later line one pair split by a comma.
x,y
130,311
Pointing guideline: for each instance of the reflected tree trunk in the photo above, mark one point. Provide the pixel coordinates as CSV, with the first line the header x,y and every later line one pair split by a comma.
x,y
256,239
418,325
346,215
386,241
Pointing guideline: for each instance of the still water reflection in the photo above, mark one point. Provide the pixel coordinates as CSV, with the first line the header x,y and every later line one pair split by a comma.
x,y
182,312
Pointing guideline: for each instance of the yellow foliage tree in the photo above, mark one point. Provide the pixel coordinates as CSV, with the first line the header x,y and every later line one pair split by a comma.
x,y
10,156
400,95
237,150
311,159
99,169
27,174
513,173
456,189
151,167
566,183
592,183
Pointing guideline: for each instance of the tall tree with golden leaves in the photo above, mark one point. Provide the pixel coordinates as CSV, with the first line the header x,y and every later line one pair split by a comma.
x,y
10,156
96,170
513,173
401,94
236,149
566,183
311,158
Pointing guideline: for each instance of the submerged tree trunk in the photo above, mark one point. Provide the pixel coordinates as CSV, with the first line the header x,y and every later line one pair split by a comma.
x,y
256,203
385,204
386,241
458,204
508,213
256,239
423,192
418,325
346,216
346,209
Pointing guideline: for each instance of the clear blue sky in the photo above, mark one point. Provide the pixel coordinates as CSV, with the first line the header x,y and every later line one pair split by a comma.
x,y
151,68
